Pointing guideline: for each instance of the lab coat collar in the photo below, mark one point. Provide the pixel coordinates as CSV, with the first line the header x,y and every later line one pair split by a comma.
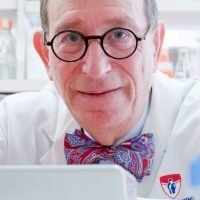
x,y
167,98
62,121
54,129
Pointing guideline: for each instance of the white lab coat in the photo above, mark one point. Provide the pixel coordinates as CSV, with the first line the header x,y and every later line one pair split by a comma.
x,y
33,126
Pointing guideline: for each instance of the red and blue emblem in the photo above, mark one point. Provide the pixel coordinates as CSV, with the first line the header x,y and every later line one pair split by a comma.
x,y
171,185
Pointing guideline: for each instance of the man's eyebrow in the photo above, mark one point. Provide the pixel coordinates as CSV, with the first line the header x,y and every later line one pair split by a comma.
x,y
119,22
124,22
69,25
127,22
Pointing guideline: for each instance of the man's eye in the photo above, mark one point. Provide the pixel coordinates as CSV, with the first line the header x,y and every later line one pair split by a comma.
x,y
118,34
73,37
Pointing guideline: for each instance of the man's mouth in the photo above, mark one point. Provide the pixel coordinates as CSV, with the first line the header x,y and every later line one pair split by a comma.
x,y
98,93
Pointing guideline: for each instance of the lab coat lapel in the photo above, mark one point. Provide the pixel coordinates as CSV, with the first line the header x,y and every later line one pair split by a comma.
x,y
55,130
159,122
168,97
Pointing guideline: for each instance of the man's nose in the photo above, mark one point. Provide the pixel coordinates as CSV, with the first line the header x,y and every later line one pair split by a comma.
x,y
96,62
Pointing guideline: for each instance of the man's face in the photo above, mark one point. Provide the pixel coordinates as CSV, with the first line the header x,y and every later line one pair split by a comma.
x,y
105,95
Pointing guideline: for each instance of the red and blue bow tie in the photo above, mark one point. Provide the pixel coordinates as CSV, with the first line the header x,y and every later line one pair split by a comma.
x,y
135,155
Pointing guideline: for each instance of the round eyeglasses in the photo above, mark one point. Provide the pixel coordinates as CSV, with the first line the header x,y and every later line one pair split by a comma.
x,y
117,43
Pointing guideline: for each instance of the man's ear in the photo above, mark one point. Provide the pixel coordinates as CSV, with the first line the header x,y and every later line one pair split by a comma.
x,y
42,50
158,35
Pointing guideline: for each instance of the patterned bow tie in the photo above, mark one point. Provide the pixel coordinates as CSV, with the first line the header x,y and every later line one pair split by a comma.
x,y
135,155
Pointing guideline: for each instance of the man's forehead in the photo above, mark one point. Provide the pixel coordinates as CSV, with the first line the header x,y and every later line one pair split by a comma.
x,y
73,11
77,4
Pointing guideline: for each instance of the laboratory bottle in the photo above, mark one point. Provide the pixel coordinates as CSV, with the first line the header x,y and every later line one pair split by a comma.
x,y
182,66
8,62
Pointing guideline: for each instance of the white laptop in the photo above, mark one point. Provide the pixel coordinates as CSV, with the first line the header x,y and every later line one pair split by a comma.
x,y
77,182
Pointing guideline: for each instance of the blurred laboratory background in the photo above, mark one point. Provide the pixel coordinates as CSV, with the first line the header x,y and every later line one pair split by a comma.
x,y
21,68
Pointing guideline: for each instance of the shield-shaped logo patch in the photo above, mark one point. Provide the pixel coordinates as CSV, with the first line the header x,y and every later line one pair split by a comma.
x,y
171,184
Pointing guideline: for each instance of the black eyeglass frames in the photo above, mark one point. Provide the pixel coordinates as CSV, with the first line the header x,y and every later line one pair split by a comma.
x,y
117,43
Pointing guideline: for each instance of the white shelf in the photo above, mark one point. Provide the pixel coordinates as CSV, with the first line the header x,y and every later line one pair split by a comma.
x,y
179,5
13,86
8,5
180,14
32,6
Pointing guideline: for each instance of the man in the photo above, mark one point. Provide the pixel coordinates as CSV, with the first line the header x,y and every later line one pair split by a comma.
x,y
102,58
171,186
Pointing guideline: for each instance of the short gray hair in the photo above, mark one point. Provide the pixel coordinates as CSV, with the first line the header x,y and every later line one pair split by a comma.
x,y
44,15
151,9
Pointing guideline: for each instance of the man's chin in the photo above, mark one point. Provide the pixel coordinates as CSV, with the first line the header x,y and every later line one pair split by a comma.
x,y
97,121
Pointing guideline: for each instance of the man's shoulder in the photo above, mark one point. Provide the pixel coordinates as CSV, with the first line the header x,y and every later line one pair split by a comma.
x,y
46,99
194,92
173,87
